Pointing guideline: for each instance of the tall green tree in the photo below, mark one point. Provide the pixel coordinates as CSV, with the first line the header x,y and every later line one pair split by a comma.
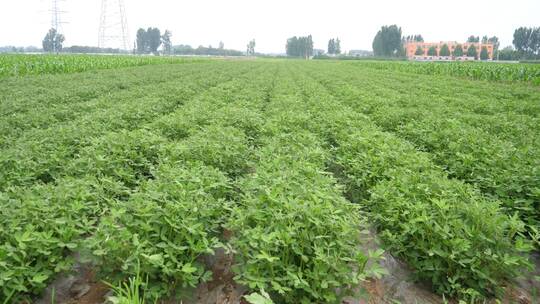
x,y
508,53
419,51
496,43
485,39
153,36
414,38
432,51
388,42
166,41
484,53
250,48
338,46
472,52
331,46
142,42
445,50
53,41
473,39
527,42
334,46
458,51
300,46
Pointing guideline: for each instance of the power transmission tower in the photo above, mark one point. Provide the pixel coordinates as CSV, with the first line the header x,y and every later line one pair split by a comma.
x,y
56,20
113,27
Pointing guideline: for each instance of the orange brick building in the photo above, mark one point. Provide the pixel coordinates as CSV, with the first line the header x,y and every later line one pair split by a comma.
x,y
411,47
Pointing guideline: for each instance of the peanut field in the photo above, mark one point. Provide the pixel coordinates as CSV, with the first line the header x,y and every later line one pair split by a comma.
x,y
284,165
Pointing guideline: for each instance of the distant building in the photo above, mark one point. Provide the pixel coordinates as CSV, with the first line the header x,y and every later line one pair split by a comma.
x,y
360,53
318,52
412,46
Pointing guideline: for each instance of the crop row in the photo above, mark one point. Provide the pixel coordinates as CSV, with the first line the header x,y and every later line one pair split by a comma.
x,y
481,71
88,172
155,198
436,224
67,110
272,161
22,65
40,154
499,156
294,234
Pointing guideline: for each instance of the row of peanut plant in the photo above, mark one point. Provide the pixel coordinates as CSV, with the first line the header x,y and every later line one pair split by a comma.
x,y
52,100
441,227
272,161
152,193
58,182
484,135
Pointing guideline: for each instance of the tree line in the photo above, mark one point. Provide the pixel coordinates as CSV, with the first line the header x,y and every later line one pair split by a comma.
x,y
300,46
148,41
202,50
527,42
334,46
389,42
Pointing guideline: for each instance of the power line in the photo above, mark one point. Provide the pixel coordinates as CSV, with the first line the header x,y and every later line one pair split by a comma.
x,y
113,27
56,20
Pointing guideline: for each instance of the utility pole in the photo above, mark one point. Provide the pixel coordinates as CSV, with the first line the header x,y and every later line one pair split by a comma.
x,y
113,26
56,21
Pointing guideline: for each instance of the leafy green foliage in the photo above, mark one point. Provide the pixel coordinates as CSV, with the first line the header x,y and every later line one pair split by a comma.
x,y
484,53
21,65
173,220
281,164
472,52
458,51
422,213
493,71
445,50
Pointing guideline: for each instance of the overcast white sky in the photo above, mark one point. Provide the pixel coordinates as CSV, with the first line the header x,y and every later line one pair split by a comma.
x,y
235,22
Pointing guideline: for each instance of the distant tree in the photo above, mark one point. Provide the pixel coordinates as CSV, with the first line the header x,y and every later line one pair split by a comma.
x,y
300,47
221,45
53,41
334,46
153,36
413,38
142,42
522,39
331,46
445,51
471,52
419,51
527,42
251,48
508,53
338,46
388,42
484,39
91,49
473,39
484,53
432,51
458,51
166,41
495,41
